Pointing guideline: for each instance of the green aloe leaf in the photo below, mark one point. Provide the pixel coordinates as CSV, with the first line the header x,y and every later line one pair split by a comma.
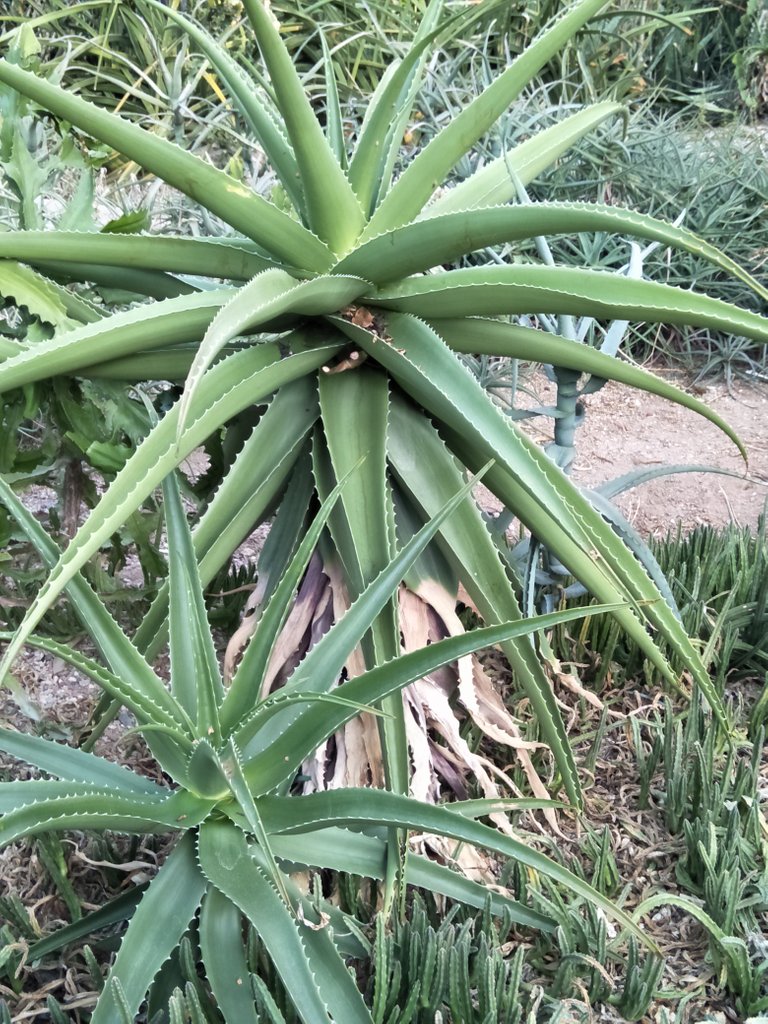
x,y
74,765
241,380
226,968
497,181
195,678
223,195
269,296
440,239
332,207
170,322
164,914
597,293
362,809
496,338
233,868
101,809
250,100
530,485
208,257
276,754
28,289
431,167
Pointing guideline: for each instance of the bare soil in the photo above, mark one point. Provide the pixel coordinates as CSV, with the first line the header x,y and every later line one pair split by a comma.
x,y
626,430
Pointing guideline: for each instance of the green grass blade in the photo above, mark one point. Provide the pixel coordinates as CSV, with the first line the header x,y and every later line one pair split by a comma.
x,y
157,926
332,208
431,167
496,183
223,195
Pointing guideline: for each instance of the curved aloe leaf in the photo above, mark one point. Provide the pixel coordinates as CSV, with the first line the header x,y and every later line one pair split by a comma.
x,y
209,257
597,293
73,764
223,195
268,766
497,182
431,167
319,996
28,289
250,101
496,338
269,296
169,322
164,914
439,239
365,808
241,380
226,967
332,207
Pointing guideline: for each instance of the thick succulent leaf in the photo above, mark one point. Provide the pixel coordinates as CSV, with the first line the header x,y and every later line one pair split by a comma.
x,y
241,380
249,99
114,911
102,809
233,868
334,128
532,487
153,284
240,697
440,239
169,322
21,794
332,208
269,296
161,919
358,808
24,287
226,967
117,650
387,113
340,849
275,754
215,190
533,289
206,257
430,168
497,181
195,677
73,764
250,487
320,669
429,473
497,338
150,702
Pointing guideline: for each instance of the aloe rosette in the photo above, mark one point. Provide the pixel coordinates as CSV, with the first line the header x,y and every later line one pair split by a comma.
x,y
326,318
244,833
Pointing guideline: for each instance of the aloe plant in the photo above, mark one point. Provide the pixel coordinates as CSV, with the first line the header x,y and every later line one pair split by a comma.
x,y
343,266
233,759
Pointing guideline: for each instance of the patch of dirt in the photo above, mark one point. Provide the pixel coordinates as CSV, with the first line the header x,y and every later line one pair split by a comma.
x,y
626,430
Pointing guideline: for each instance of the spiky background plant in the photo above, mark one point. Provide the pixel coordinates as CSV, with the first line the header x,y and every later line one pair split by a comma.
x,y
324,333
232,759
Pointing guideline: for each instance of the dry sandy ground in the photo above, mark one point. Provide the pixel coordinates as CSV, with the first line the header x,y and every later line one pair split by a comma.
x,y
626,430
